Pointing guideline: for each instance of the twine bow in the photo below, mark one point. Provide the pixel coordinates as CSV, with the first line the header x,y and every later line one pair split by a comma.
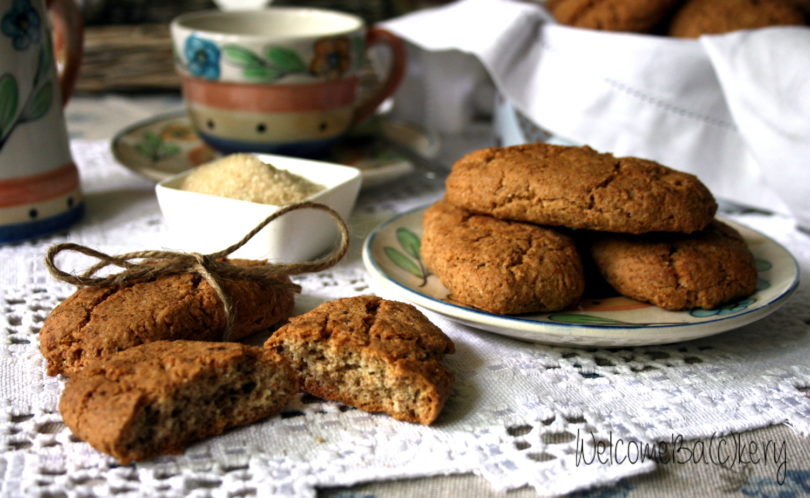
x,y
211,267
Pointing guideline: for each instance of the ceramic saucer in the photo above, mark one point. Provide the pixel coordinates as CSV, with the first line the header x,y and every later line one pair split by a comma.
x,y
166,145
391,255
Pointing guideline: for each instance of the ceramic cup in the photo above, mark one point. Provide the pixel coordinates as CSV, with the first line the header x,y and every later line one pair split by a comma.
x,y
39,183
281,80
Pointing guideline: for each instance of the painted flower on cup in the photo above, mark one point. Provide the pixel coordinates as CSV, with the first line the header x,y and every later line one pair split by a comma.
x,y
202,57
332,57
22,24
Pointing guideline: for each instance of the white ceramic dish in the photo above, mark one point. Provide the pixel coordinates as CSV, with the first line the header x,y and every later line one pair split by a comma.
x,y
205,223
391,256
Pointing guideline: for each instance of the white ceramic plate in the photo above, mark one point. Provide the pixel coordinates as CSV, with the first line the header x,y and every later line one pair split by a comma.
x,y
391,251
166,145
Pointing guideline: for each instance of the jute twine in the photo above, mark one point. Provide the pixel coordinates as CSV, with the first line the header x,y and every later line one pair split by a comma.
x,y
211,267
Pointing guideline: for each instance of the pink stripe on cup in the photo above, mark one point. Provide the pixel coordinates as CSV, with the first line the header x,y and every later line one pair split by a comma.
x,y
37,188
271,98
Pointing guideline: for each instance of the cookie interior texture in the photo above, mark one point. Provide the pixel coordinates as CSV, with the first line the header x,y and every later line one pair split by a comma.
x,y
578,187
499,266
159,397
373,354
678,272
96,322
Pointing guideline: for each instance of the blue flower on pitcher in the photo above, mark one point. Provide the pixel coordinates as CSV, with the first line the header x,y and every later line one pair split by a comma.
x,y
202,57
22,24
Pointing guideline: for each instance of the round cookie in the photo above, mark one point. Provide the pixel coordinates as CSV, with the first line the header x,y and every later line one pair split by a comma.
x,y
502,267
578,187
96,322
705,17
678,272
639,16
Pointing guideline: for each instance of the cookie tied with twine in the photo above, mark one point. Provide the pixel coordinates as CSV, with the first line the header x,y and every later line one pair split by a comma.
x,y
147,265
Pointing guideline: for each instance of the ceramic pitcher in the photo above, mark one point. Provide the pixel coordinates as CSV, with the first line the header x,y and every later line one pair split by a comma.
x,y
39,183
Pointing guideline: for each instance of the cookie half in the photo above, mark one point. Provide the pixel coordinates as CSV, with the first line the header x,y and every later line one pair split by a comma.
x,y
503,267
370,353
157,398
578,187
677,272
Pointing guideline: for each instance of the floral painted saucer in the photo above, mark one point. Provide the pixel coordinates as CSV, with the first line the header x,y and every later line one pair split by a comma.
x,y
391,255
166,145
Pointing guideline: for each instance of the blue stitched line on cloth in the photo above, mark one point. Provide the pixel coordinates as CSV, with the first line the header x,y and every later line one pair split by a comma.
x,y
668,107
633,92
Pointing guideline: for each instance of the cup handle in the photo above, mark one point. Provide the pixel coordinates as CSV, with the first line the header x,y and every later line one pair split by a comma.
x,y
69,29
377,36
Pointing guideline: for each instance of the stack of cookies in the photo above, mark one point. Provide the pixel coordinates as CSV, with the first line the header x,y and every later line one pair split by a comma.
x,y
519,225
679,18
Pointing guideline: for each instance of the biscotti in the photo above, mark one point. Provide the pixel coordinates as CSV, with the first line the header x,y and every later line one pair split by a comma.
x,y
372,354
706,17
640,16
157,398
678,272
503,267
578,187
97,322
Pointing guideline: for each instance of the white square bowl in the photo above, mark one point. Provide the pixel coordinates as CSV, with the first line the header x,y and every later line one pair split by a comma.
x,y
205,223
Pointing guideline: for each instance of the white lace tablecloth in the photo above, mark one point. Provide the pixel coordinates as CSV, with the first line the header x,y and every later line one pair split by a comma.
x,y
516,417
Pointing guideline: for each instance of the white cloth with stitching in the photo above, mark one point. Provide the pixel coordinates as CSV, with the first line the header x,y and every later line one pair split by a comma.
x,y
733,109
514,416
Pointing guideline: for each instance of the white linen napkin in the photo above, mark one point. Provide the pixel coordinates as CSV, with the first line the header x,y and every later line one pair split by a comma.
x,y
732,109
765,77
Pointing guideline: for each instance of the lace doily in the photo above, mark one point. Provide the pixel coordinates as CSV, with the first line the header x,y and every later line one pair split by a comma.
x,y
518,415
